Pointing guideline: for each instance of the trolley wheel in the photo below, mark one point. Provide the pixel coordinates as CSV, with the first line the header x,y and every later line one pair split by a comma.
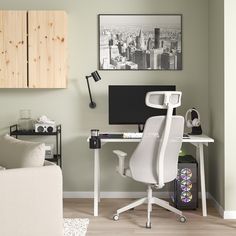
x,y
115,217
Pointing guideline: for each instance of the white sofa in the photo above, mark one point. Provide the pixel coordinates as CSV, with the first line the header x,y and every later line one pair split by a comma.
x,y
30,190
31,201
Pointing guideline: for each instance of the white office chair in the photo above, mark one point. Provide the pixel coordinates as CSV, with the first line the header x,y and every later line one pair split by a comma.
x,y
155,160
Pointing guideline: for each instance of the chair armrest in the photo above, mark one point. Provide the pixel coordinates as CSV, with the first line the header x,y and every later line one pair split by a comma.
x,y
32,199
121,167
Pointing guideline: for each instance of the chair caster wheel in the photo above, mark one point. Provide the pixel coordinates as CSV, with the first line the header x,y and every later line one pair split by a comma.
x,y
115,217
148,225
182,219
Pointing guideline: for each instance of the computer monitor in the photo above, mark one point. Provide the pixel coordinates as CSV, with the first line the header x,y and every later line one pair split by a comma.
x,y
127,103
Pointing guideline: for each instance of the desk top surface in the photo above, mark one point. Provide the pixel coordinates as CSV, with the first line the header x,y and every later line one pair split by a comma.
x,y
118,137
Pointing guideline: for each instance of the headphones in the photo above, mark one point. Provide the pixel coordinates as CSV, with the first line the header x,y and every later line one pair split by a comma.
x,y
195,122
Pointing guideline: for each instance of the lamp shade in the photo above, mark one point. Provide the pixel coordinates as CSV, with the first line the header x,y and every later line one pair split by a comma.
x,y
95,76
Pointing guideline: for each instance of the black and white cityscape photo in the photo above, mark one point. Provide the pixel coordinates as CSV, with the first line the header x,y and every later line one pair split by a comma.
x,y
140,42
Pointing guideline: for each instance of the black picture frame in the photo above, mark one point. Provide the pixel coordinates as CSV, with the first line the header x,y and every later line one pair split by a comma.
x,y
140,42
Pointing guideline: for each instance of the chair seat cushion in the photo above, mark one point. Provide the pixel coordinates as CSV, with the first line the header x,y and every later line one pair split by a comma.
x,y
15,153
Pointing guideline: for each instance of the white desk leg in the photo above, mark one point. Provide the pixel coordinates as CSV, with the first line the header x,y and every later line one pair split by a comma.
x,y
202,177
96,181
99,182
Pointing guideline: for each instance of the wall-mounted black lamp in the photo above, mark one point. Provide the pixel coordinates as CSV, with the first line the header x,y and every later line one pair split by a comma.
x,y
96,78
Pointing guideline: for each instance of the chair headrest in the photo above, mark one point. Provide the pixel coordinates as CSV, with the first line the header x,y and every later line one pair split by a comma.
x,y
163,99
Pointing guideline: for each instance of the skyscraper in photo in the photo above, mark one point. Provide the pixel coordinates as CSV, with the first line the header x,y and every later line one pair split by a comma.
x,y
155,58
147,60
111,42
120,47
129,52
173,61
162,43
156,37
137,42
104,52
149,44
174,45
140,41
179,61
114,52
139,58
129,39
131,66
165,61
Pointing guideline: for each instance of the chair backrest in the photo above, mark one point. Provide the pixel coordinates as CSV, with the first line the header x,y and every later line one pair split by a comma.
x,y
155,159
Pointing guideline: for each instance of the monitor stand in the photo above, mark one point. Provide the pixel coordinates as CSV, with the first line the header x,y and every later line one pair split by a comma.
x,y
140,128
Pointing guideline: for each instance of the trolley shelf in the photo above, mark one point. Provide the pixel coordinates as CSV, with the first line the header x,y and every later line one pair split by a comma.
x,y
57,157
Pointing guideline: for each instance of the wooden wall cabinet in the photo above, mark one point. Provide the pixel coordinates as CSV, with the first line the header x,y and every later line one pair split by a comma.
x,y
47,49
13,49
33,49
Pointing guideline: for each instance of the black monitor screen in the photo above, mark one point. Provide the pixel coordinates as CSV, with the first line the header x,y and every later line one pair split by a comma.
x,y
127,103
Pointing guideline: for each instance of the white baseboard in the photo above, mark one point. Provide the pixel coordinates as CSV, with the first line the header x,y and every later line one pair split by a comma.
x,y
114,194
119,194
230,215
224,214
216,204
227,215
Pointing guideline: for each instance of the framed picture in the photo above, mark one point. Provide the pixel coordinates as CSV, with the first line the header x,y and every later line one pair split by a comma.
x,y
140,42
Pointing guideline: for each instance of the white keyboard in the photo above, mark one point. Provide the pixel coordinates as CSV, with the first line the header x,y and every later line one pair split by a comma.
x,y
132,135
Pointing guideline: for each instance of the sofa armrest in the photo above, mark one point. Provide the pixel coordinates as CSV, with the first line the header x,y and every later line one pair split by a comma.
x,y
31,201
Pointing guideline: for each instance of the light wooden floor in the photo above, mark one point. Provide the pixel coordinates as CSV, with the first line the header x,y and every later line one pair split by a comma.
x,y
133,222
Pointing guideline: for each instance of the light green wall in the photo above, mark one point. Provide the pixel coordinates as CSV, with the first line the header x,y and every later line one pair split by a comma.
x,y
229,103
70,106
222,51
216,99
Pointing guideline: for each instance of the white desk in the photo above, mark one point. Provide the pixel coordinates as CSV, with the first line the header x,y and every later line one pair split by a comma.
x,y
197,140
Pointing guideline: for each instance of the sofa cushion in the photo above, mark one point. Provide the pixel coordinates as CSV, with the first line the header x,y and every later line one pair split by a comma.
x,y
15,153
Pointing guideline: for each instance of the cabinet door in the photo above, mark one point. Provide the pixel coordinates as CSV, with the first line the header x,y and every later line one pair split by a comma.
x,y
13,49
47,49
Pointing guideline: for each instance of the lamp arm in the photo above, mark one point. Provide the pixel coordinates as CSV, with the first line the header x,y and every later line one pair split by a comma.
x,y
92,103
